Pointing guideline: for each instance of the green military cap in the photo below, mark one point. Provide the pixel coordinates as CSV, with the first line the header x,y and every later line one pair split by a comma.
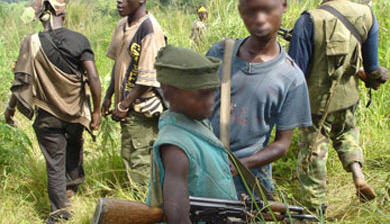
x,y
186,69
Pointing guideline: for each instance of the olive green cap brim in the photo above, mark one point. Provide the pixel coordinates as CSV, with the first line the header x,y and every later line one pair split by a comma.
x,y
186,69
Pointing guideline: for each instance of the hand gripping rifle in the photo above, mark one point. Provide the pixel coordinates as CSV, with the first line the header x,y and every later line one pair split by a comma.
x,y
206,210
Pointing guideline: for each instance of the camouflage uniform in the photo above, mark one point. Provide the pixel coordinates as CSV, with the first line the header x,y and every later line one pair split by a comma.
x,y
198,29
332,78
340,128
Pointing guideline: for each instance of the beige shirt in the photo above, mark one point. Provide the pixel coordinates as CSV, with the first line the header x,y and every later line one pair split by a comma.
x,y
40,83
125,48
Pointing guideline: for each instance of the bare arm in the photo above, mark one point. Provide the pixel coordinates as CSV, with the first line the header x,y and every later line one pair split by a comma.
x,y
110,89
94,83
134,94
270,153
107,99
175,188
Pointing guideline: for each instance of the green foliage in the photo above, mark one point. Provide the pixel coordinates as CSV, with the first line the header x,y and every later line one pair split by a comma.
x,y
22,168
15,147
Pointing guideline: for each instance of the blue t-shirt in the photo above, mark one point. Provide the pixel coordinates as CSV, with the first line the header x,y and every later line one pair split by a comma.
x,y
262,95
208,172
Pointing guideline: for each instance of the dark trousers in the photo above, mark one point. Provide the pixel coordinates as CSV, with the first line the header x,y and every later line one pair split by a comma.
x,y
62,146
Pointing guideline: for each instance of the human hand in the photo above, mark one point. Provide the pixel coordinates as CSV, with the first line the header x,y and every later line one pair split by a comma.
x,y
8,116
119,114
233,169
95,123
106,107
362,74
380,75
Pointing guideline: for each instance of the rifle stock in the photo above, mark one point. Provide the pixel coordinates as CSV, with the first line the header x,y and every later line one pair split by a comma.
x,y
208,210
115,211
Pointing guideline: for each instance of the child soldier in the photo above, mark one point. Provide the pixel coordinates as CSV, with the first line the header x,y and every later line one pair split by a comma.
x,y
49,81
135,43
188,159
199,26
268,89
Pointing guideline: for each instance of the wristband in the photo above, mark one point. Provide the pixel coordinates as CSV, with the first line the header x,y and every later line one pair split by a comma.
x,y
120,109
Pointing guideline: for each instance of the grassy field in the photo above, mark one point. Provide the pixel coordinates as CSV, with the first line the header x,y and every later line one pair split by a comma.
x,y
23,197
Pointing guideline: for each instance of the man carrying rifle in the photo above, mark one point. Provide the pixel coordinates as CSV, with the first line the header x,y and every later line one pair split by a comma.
x,y
329,44
51,75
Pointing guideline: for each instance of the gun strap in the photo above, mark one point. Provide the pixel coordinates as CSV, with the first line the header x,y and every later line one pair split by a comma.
x,y
247,176
345,21
332,90
224,122
353,31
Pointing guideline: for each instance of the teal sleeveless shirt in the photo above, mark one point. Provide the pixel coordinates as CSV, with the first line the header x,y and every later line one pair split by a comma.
x,y
208,173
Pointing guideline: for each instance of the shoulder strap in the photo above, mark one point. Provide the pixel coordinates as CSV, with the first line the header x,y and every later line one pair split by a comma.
x,y
224,125
344,20
65,59
251,182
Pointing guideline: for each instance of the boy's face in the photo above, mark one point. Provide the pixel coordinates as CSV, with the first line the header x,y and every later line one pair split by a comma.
x,y
196,105
127,7
202,16
262,18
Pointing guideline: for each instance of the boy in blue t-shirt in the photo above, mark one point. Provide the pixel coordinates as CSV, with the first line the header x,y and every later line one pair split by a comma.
x,y
188,159
268,89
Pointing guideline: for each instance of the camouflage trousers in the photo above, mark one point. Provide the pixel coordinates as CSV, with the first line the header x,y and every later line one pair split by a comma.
x,y
138,133
311,168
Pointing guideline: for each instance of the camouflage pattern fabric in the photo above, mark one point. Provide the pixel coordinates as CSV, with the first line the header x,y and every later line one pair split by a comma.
x,y
59,6
198,29
338,127
137,134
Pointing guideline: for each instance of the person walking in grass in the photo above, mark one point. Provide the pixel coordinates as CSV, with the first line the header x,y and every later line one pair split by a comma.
x,y
198,26
330,53
268,89
52,73
134,45
188,159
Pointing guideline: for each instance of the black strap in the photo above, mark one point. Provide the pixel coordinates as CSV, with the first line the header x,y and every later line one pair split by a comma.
x,y
344,20
50,38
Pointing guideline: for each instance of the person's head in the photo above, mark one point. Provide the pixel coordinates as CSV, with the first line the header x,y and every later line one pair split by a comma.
x,y
202,13
129,7
262,18
188,81
46,10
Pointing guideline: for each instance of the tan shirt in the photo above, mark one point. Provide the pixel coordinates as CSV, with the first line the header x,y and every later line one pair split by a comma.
x,y
40,83
128,45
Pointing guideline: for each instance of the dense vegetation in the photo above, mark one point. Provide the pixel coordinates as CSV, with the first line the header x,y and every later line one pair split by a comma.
x,y
23,197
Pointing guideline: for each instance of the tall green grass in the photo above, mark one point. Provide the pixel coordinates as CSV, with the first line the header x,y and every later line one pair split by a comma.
x,y
23,197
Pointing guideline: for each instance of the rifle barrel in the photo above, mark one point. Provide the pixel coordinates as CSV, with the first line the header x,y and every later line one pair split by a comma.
x,y
215,200
304,217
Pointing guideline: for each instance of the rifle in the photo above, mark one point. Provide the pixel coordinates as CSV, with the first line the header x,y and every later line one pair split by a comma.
x,y
207,210
285,33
